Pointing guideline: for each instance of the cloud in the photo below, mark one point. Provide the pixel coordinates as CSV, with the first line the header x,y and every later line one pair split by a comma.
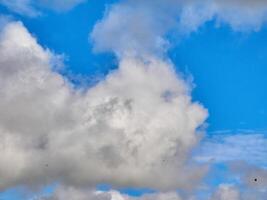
x,y
141,27
63,193
240,15
32,8
226,192
222,192
23,7
252,176
242,181
252,180
59,5
244,146
134,128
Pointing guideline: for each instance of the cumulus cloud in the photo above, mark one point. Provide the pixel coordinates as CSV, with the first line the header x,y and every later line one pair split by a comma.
x,y
31,8
134,128
140,27
137,127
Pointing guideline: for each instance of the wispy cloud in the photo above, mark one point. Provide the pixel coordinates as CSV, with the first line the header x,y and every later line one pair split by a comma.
x,y
31,8
248,146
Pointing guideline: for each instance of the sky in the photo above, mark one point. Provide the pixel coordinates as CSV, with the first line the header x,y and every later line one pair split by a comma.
x,y
133,100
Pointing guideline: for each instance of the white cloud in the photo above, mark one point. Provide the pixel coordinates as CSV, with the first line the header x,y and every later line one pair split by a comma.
x,y
31,8
222,192
251,176
226,192
244,146
23,7
140,27
231,192
251,180
63,193
134,128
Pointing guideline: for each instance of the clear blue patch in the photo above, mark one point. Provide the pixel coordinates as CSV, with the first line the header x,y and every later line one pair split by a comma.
x,y
229,71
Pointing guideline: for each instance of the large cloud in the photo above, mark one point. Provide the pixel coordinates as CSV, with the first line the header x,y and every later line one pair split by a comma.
x,y
134,128
140,27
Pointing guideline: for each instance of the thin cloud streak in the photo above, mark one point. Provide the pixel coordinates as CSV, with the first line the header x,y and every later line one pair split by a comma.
x,y
248,146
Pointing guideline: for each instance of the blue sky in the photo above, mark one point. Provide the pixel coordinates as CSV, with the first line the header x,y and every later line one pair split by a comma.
x,y
229,72
228,68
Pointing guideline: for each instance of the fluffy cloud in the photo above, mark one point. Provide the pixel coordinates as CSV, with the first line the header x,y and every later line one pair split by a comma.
x,y
140,27
134,128
31,8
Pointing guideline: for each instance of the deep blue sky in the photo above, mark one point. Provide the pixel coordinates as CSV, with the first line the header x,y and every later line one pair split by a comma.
x,y
229,71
